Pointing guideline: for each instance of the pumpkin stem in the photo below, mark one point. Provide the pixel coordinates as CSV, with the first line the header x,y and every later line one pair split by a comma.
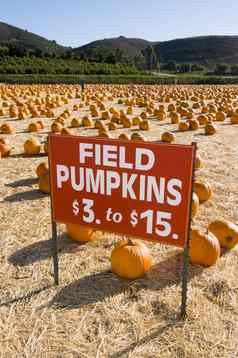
x,y
130,242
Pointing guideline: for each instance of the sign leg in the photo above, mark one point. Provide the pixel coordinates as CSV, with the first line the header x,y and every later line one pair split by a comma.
x,y
54,228
55,252
186,249
185,281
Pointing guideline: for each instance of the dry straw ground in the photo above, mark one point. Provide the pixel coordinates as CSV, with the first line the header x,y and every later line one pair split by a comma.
x,y
93,313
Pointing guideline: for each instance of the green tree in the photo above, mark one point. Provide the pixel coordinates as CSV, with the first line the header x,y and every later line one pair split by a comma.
x,y
197,68
185,68
16,49
4,51
221,69
151,58
170,66
139,61
111,58
234,70
38,52
119,55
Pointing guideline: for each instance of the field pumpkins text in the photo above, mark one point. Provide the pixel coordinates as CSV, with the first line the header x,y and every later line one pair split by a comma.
x,y
87,178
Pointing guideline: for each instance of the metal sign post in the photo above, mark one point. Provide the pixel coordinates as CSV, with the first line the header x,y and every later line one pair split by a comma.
x,y
187,247
54,231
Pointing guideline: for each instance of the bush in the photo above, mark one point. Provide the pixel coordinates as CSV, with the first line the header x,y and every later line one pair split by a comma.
x,y
234,70
221,69
170,66
184,68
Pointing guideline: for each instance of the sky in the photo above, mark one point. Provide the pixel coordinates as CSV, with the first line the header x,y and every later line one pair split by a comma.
x,y
77,22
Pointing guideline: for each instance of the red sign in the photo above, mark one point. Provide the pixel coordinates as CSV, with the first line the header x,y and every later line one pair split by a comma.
x,y
133,188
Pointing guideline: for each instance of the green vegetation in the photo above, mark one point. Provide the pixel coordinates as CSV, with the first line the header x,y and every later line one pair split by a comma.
x,y
118,79
58,65
207,59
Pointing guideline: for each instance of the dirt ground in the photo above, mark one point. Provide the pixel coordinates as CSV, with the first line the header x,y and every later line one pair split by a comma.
x,y
93,313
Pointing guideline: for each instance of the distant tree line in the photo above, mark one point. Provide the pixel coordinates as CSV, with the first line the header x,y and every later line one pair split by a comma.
x,y
16,59
225,69
172,66
147,60
218,70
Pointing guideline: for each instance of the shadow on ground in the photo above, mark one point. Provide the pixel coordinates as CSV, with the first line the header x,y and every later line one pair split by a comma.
x,y
200,135
96,287
23,155
147,339
25,296
22,182
25,195
42,250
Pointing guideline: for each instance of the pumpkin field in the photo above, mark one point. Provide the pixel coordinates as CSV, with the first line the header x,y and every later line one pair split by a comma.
x,y
117,298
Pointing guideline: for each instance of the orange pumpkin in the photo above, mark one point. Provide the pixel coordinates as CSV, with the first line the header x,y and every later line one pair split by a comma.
x,y
137,136
144,116
42,169
226,232
202,119
183,126
168,137
32,146
5,148
75,123
105,115
104,134
127,122
33,127
136,121
210,129
112,126
193,124
44,183
66,131
204,248
80,233
203,190
220,116
56,127
40,124
130,259
175,117
7,128
234,118
124,136
87,122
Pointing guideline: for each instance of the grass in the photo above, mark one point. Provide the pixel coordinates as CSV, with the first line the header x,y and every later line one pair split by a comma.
x,y
93,313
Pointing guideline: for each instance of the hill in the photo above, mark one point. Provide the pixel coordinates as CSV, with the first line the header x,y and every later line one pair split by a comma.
x,y
28,40
129,47
205,50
